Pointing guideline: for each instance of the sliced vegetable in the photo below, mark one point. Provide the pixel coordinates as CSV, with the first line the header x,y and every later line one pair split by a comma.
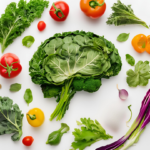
x,y
140,75
55,137
123,37
93,8
28,96
17,18
90,133
123,94
79,61
41,25
28,41
15,87
130,59
148,44
123,15
10,66
10,118
129,107
28,140
139,43
137,128
35,117
59,11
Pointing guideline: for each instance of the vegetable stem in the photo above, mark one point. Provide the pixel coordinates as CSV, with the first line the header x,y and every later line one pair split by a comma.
x,y
94,3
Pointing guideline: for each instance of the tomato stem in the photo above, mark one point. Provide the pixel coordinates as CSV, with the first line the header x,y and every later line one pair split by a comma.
x,y
57,10
94,3
32,117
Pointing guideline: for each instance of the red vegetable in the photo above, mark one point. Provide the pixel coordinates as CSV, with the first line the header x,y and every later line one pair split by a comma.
x,y
41,25
10,66
28,140
59,11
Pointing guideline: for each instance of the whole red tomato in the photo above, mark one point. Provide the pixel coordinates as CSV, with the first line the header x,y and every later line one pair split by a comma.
x,y
93,8
28,140
59,11
41,25
10,66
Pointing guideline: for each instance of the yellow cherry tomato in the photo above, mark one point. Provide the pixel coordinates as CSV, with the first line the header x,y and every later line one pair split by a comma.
x,y
35,117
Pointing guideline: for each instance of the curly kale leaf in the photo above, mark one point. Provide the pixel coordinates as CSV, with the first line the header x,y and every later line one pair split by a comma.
x,y
90,133
17,18
123,15
140,76
10,119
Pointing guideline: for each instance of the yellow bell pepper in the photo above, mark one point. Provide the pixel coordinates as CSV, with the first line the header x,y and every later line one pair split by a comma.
x,y
35,117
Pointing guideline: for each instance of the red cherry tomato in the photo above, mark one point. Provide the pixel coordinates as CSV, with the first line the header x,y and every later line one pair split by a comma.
x,y
10,66
59,11
28,140
41,25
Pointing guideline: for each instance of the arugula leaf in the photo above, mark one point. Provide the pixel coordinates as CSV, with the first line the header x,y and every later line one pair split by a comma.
x,y
28,96
123,15
90,133
15,87
10,119
140,76
28,41
130,60
123,37
17,18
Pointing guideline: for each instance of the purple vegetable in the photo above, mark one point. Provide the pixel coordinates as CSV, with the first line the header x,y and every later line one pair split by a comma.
x,y
132,136
123,94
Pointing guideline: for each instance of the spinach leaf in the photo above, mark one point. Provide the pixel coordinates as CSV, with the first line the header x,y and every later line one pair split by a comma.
x,y
28,96
15,87
130,60
17,18
28,41
123,37
140,76
10,118
123,15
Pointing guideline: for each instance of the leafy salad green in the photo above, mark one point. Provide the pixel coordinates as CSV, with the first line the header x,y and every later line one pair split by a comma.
x,y
15,87
123,37
10,119
28,96
71,62
17,18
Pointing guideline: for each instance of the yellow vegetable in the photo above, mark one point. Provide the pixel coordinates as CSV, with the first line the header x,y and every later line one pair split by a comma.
x,y
35,117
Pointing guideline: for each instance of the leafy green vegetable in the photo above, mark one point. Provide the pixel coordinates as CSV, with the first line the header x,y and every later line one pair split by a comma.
x,y
55,137
28,41
90,133
130,60
123,15
129,107
123,37
17,18
28,96
140,76
71,62
10,119
15,87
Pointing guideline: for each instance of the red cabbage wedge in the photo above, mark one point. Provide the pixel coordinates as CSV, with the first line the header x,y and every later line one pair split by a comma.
x,y
132,136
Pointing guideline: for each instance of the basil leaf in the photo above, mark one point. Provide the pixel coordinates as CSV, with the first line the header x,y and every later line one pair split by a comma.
x,y
28,96
15,87
28,41
130,60
123,37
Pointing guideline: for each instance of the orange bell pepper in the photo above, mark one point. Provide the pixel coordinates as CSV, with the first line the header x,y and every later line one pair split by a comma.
x,y
139,43
148,44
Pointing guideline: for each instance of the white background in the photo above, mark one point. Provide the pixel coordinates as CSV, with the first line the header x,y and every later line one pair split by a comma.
x,y
97,105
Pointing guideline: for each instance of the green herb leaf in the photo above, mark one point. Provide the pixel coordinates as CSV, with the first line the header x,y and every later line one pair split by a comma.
x,y
129,107
28,41
15,87
10,119
140,76
28,96
123,37
130,60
